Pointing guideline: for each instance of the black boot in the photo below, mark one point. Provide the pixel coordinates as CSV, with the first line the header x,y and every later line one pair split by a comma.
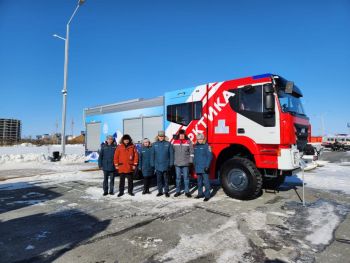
x,y
188,195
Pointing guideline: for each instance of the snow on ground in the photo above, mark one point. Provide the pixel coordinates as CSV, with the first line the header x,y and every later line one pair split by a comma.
x,y
50,179
332,176
45,149
321,218
194,246
150,202
323,221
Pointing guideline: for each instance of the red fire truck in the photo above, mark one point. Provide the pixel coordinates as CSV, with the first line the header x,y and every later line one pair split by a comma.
x,y
256,127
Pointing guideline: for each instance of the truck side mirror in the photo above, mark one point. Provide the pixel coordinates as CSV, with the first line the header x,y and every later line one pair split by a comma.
x,y
270,102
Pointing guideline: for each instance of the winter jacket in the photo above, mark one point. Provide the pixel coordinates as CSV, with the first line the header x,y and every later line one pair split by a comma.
x,y
183,152
125,157
202,157
162,155
105,158
145,161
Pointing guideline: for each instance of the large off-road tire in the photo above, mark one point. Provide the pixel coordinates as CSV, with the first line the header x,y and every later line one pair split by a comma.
x,y
240,179
273,183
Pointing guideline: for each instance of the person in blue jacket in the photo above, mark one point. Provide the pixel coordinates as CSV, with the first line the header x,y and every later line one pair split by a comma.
x,y
105,162
145,165
162,159
201,162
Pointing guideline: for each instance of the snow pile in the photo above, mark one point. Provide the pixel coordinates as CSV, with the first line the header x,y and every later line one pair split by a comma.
x,y
26,144
39,158
45,149
73,158
17,158
40,154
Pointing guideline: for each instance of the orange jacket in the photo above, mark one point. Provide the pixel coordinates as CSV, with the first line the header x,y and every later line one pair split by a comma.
x,y
125,157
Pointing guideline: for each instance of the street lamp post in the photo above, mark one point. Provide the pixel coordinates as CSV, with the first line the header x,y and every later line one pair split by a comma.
x,y
64,90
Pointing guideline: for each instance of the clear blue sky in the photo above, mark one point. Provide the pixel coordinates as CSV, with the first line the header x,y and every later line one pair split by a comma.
x,y
128,49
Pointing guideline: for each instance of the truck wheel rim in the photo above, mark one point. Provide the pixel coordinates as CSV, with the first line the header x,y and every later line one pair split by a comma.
x,y
238,179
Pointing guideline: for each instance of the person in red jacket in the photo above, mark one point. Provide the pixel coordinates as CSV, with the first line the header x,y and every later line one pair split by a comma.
x,y
125,161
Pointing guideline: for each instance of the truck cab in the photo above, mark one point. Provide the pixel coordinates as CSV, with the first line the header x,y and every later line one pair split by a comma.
x,y
256,126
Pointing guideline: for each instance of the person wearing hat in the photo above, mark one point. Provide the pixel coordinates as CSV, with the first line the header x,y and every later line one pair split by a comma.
x,y
183,157
105,162
162,159
145,165
201,162
126,160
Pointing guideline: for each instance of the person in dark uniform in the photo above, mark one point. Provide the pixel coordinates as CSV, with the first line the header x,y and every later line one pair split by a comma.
x,y
105,162
145,165
162,159
201,161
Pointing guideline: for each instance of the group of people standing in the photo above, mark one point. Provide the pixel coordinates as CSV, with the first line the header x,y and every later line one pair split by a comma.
x,y
157,158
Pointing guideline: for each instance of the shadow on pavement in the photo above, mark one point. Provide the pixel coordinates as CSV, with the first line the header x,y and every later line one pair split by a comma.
x,y
46,237
18,195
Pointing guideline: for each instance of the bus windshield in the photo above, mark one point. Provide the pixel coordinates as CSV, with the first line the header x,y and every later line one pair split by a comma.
x,y
291,103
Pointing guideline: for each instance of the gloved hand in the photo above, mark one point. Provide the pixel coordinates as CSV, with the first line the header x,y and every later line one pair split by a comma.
x,y
206,170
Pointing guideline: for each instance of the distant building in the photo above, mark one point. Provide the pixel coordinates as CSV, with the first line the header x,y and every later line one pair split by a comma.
x,y
10,131
46,136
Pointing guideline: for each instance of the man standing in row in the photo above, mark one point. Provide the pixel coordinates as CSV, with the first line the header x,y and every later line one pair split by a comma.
x,y
126,161
183,157
105,162
162,159
201,163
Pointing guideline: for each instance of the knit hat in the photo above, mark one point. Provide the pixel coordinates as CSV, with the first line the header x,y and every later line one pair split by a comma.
x,y
200,136
109,137
182,131
126,137
161,133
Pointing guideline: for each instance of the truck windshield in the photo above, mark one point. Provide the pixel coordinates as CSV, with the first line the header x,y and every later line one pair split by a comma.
x,y
290,103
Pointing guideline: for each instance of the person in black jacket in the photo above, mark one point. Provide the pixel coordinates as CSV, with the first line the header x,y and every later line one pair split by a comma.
x,y
105,162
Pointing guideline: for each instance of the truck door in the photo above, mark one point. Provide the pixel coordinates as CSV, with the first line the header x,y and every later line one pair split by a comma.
x,y
253,119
